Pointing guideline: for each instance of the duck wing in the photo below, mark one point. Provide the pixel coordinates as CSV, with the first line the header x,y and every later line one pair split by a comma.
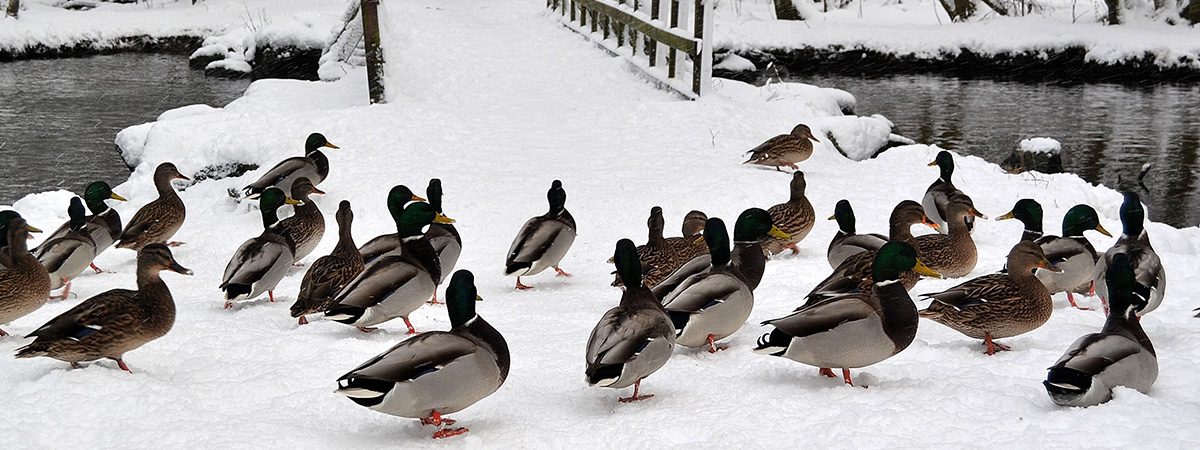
x,y
825,315
420,355
291,168
115,308
988,288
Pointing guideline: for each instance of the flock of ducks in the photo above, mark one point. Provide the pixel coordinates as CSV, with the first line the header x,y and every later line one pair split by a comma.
x,y
691,291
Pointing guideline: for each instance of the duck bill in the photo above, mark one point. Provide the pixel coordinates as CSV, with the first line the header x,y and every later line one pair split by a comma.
x,y
1007,216
417,198
1102,230
478,298
700,239
181,177
925,220
31,229
318,191
976,213
832,217
442,219
934,163
814,138
330,145
775,231
922,269
1046,265
292,201
114,196
175,267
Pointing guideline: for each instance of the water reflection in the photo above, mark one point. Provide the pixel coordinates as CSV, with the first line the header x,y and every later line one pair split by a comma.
x,y
1107,130
58,118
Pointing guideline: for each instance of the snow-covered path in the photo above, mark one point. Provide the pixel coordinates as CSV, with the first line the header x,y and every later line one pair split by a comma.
x,y
497,100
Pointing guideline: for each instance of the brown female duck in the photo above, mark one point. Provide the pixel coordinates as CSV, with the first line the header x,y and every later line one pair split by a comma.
x,y
953,255
784,150
330,273
113,322
24,282
999,305
795,217
307,226
158,220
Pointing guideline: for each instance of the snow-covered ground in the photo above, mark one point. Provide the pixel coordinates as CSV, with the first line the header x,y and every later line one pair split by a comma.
x,y
498,100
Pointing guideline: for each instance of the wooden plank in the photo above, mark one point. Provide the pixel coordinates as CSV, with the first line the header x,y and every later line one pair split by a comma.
x,y
670,38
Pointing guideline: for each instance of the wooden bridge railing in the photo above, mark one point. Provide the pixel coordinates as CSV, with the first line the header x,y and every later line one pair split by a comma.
x,y
652,34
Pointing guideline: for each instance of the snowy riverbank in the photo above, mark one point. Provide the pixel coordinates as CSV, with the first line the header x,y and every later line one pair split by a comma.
x,y
538,105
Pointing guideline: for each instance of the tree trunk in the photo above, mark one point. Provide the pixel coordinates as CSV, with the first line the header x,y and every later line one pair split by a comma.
x,y
1114,12
14,6
1192,12
963,10
786,10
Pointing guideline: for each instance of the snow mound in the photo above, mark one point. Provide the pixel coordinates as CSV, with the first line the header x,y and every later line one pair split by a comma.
x,y
1041,145
735,63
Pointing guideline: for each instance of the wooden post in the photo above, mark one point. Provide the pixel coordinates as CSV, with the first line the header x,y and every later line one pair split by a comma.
x,y
702,64
370,18
652,52
672,55
14,7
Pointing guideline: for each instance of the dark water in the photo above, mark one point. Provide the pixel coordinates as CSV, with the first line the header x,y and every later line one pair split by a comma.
x,y
1106,130
58,118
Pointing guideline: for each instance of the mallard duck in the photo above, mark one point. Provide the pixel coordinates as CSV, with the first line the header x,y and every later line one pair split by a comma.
x,y
314,165
330,273
999,305
543,240
436,372
68,256
954,254
856,273
693,224
158,220
24,282
713,304
104,225
398,197
1151,277
443,237
794,217
1119,355
746,257
633,339
259,264
857,329
307,226
784,150
937,197
6,216
1072,253
660,256
1029,212
114,322
397,283
847,242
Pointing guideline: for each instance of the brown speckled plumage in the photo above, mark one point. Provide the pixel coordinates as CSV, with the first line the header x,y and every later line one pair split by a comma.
x,y
24,282
998,305
330,273
794,217
785,149
113,322
307,226
953,255
158,220
660,256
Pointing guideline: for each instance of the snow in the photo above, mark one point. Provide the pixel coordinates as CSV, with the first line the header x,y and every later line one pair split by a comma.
x,y
1041,145
497,120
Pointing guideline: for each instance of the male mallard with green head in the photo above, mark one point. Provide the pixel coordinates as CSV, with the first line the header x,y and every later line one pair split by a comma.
x,y
436,372
853,330
1029,212
68,255
1072,252
747,257
543,240
262,261
1134,241
1119,355
633,339
847,242
314,165
398,197
104,225
937,197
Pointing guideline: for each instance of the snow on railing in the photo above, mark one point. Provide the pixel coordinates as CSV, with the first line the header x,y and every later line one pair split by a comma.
x,y
637,31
